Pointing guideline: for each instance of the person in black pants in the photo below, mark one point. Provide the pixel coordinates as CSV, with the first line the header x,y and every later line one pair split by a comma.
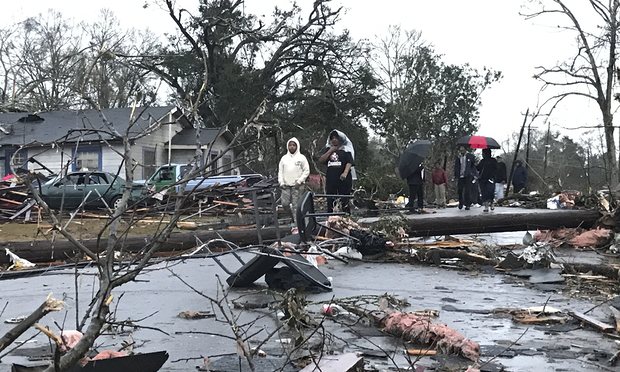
x,y
464,172
338,179
488,170
416,190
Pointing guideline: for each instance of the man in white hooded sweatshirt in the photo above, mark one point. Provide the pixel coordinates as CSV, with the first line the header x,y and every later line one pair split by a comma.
x,y
292,173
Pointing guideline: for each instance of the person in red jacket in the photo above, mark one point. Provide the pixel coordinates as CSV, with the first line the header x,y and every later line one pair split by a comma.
x,y
439,185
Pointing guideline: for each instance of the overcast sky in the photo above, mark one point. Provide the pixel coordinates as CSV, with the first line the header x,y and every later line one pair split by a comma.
x,y
482,33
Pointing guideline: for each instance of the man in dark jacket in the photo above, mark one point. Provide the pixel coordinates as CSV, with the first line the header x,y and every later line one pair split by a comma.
x,y
487,168
416,190
519,177
500,178
464,173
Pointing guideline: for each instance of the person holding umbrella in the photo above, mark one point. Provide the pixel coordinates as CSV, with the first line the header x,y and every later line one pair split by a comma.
x,y
464,173
487,168
338,178
416,189
410,168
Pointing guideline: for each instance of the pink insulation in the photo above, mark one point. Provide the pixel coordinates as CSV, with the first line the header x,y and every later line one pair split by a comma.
x,y
591,238
576,237
420,329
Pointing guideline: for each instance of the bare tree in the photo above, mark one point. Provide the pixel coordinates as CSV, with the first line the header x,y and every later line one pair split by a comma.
x,y
44,59
49,63
591,72
113,82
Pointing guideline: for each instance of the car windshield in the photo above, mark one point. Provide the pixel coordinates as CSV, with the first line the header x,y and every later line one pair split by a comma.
x,y
184,170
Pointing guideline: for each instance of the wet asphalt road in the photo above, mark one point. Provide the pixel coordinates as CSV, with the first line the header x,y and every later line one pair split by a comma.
x,y
159,297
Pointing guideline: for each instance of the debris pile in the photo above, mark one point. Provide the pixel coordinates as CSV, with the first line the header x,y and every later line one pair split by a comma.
x,y
231,198
15,200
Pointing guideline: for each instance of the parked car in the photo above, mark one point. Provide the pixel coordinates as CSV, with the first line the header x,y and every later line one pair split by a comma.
x,y
167,175
96,189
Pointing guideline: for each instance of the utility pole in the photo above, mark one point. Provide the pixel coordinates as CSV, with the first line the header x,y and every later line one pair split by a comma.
x,y
588,169
546,150
527,149
514,160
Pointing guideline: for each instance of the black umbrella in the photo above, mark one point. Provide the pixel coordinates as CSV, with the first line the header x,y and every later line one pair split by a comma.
x,y
413,156
478,142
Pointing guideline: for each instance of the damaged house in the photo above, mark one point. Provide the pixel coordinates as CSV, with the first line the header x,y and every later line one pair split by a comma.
x,y
79,140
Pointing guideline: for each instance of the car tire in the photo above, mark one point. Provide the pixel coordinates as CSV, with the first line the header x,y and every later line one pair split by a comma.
x,y
115,202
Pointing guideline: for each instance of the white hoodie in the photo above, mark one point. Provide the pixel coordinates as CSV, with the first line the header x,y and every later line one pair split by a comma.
x,y
293,169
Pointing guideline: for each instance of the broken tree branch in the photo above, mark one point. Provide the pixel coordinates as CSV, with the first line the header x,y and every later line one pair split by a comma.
x,y
49,305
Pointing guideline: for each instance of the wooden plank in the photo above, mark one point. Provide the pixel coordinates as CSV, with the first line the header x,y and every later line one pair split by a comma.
x,y
348,362
439,244
226,203
421,352
10,201
604,327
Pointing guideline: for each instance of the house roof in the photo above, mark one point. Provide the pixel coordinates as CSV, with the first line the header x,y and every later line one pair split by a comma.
x,y
18,128
187,136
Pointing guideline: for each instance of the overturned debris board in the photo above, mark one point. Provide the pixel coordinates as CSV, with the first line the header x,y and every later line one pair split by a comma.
x,y
603,327
267,259
258,266
145,362
299,263
348,362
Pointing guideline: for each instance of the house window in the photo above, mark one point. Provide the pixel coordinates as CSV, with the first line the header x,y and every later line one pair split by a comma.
x,y
149,163
212,162
226,165
20,158
87,158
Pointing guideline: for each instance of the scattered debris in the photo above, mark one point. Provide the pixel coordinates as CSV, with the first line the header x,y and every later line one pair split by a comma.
x,y
18,263
189,314
15,320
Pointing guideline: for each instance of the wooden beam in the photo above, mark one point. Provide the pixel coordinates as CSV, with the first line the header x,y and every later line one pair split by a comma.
x,y
421,352
603,327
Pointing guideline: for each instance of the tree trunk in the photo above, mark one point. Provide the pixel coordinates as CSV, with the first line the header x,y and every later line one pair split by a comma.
x,y
612,162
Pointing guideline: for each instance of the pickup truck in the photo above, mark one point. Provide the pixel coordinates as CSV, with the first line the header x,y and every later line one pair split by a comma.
x,y
170,174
